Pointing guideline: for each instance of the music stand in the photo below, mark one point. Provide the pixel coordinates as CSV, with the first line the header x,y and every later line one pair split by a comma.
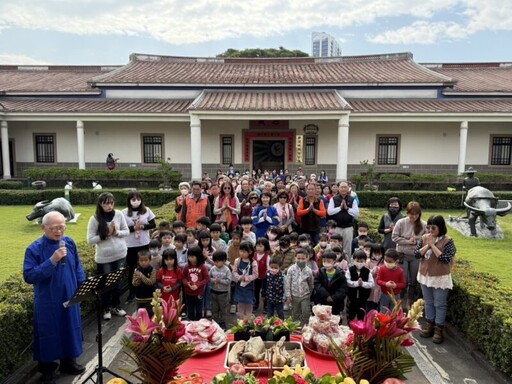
x,y
95,287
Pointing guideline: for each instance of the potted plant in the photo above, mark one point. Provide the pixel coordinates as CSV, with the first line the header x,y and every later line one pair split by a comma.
x,y
280,328
153,344
374,351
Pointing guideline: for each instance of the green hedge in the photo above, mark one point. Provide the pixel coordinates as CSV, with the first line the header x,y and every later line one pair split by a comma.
x,y
427,199
11,184
83,196
480,307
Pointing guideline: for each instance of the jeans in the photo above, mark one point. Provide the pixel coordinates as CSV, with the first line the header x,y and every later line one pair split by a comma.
x,y
385,302
275,307
436,303
111,298
410,266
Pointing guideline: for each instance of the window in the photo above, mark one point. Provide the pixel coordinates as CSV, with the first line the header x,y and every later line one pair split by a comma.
x,y
309,150
45,148
387,150
500,150
226,149
152,149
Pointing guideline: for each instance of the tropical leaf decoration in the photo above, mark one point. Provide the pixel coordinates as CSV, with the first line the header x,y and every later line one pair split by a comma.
x,y
375,350
153,345
156,363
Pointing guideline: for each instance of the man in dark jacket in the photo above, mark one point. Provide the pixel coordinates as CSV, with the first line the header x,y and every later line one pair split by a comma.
x,y
331,284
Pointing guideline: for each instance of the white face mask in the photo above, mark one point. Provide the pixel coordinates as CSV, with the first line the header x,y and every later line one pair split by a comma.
x,y
390,265
359,265
304,244
271,236
323,244
135,203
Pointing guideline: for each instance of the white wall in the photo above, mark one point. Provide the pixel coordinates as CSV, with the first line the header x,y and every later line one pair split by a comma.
x,y
479,140
420,143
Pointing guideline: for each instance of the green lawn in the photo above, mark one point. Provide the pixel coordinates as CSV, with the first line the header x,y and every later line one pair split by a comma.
x,y
18,233
486,255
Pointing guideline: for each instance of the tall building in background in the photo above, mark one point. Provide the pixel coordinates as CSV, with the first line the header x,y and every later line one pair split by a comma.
x,y
324,45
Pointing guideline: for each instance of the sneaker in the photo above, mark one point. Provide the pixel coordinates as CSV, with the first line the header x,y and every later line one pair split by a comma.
x,y
286,307
208,314
118,311
107,315
232,310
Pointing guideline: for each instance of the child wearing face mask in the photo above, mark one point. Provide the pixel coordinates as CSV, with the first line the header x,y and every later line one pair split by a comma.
x,y
140,220
331,284
360,282
273,234
390,278
273,289
373,262
156,256
299,286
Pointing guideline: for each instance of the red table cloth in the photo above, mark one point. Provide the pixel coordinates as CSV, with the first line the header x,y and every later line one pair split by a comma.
x,y
210,364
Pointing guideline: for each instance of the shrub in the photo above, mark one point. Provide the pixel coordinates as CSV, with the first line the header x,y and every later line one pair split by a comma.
x,y
11,184
84,196
480,308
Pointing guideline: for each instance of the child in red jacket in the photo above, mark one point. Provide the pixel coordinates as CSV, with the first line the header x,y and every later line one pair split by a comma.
x,y
390,278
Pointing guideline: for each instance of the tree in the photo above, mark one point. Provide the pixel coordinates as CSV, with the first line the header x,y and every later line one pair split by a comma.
x,y
263,52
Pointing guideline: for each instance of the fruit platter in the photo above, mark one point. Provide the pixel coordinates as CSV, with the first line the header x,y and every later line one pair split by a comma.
x,y
205,334
322,327
258,355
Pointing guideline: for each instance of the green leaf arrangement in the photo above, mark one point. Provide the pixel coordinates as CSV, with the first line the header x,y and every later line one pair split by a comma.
x,y
156,363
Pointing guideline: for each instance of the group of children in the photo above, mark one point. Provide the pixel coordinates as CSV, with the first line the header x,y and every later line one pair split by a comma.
x,y
214,271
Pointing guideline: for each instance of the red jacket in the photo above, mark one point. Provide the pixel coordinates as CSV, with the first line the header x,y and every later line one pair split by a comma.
x,y
196,276
396,275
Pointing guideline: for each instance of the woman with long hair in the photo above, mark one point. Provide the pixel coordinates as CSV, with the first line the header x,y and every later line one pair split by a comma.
x,y
406,234
226,206
140,220
107,230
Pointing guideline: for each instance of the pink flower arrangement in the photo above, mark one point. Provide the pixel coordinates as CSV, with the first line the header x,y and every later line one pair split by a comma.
x,y
157,338
374,350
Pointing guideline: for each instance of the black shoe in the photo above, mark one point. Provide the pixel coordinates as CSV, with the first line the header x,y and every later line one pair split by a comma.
x,y
71,368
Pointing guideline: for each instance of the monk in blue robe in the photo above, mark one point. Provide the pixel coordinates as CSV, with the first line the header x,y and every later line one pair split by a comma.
x,y
53,266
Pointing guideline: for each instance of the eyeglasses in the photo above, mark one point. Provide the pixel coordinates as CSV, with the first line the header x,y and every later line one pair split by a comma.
x,y
283,197
226,189
58,228
253,198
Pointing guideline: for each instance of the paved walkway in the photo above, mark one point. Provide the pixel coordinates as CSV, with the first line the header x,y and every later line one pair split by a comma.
x,y
454,361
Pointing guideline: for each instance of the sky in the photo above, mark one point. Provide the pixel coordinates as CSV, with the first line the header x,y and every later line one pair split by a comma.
x,y
106,32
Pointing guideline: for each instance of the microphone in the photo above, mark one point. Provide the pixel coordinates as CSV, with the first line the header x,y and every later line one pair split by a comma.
x,y
62,244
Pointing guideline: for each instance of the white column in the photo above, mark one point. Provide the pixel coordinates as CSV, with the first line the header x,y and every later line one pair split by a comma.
x,y
4,137
342,150
463,142
80,143
195,147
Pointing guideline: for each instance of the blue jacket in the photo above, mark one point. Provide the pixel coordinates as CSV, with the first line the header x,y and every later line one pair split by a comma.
x,y
261,226
57,330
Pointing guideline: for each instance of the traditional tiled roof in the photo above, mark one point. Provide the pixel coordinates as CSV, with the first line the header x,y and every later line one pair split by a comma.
x,y
51,105
49,79
481,78
376,70
270,101
432,106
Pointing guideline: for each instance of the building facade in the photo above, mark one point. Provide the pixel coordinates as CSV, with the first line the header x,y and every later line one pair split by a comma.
x,y
203,114
324,45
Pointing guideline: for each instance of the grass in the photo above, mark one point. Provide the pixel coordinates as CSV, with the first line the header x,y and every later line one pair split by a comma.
x,y
486,255
18,233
